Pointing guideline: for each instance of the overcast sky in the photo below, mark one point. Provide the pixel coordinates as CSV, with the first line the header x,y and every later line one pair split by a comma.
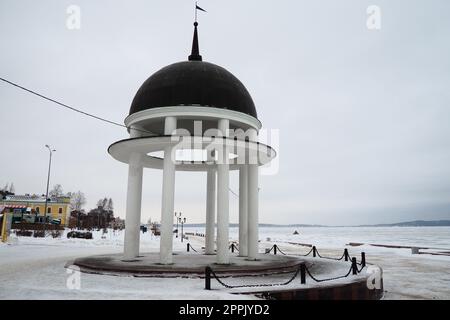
x,y
364,115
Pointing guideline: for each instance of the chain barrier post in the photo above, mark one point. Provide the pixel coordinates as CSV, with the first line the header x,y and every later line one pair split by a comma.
x,y
275,249
207,278
346,255
232,248
354,266
302,273
314,251
363,259
187,247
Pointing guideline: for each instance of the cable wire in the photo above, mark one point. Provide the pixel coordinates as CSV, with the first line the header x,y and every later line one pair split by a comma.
x,y
233,192
69,107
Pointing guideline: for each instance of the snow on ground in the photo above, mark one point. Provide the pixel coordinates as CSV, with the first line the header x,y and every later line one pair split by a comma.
x,y
34,268
406,276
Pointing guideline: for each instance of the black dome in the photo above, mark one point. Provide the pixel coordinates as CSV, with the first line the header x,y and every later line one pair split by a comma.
x,y
195,83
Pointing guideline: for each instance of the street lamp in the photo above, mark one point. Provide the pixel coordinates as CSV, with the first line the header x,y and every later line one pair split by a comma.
x,y
182,221
176,218
48,181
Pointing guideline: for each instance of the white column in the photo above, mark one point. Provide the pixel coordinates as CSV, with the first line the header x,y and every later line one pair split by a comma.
x,y
168,196
223,175
243,210
133,213
210,207
253,246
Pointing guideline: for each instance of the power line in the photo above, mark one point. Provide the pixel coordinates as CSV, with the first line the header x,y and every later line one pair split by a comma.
x,y
236,193
68,107
79,111
233,192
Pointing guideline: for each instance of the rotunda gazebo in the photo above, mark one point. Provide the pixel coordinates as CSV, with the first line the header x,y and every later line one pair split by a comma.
x,y
202,110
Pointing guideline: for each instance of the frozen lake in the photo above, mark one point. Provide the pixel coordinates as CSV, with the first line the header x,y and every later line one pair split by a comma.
x,y
33,268
338,237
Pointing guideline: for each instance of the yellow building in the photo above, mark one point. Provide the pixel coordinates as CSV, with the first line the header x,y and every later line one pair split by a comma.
x,y
33,206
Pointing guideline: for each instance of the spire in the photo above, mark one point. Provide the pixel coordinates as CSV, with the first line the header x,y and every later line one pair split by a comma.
x,y
195,54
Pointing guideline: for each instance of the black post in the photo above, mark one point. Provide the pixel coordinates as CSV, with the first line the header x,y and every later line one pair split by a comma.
x,y
275,249
314,251
187,247
302,273
232,248
363,259
176,218
207,278
354,266
182,235
346,255
183,221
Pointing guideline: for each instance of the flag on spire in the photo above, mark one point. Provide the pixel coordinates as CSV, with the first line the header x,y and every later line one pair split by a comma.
x,y
198,8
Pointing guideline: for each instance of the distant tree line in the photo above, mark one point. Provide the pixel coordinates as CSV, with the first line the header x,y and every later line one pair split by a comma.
x,y
7,190
97,218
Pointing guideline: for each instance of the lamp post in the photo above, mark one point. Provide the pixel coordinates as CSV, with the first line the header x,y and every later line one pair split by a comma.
x,y
48,181
182,221
177,216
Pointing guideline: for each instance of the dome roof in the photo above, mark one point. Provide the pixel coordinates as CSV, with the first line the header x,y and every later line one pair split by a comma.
x,y
195,83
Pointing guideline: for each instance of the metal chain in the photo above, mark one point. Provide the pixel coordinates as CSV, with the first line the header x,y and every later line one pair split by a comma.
x,y
235,247
336,259
292,278
256,285
192,248
278,248
305,255
259,275
362,267
270,250
279,284
329,279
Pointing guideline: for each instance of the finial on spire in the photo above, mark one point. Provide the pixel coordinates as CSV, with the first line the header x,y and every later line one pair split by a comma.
x,y
195,54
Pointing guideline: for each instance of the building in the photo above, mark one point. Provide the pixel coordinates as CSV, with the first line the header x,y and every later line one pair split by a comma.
x,y
100,217
117,223
31,208
204,111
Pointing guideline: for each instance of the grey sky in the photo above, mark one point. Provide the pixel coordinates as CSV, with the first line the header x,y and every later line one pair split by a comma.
x,y
363,115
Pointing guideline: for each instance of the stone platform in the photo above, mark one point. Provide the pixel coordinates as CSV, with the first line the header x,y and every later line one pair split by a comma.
x,y
265,278
190,265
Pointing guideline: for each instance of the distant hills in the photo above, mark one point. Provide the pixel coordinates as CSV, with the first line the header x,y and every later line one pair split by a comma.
x,y
416,223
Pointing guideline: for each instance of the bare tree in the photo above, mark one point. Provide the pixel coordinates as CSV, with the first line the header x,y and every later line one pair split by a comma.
x,y
77,200
11,188
104,203
6,187
57,191
100,203
109,205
